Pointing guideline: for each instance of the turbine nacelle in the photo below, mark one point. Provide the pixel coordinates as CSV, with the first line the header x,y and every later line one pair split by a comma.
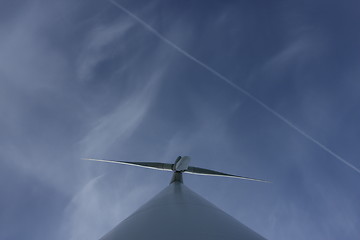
x,y
180,166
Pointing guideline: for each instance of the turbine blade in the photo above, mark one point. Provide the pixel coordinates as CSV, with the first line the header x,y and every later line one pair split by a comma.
x,y
203,171
152,165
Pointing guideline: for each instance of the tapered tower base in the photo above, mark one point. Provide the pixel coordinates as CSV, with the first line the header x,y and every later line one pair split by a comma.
x,y
178,213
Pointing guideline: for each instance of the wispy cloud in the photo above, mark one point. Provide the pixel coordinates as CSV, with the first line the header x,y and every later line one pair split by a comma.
x,y
122,121
116,126
96,49
97,206
29,69
294,53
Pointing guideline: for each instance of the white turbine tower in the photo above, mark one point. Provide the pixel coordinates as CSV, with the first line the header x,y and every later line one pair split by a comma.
x,y
178,213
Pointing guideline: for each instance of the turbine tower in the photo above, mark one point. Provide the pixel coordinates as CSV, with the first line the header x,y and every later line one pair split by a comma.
x,y
178,213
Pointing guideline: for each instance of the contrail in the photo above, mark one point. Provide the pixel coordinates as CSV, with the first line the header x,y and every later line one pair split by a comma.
x,y
234,85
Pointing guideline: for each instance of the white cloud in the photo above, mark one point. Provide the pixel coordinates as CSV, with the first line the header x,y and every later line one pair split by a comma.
x,y
27,61
294,54
95,48
29,66
123,121
97,206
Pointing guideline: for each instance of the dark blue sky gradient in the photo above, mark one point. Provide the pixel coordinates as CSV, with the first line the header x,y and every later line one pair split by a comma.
x,y
83,79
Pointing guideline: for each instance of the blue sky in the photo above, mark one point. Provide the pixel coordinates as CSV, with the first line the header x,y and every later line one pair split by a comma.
x,y
84,79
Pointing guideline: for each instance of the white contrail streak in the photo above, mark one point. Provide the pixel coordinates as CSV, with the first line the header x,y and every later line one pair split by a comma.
x,y
234,85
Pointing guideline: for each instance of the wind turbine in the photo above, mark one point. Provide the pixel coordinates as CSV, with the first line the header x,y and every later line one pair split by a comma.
x,y
179,213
